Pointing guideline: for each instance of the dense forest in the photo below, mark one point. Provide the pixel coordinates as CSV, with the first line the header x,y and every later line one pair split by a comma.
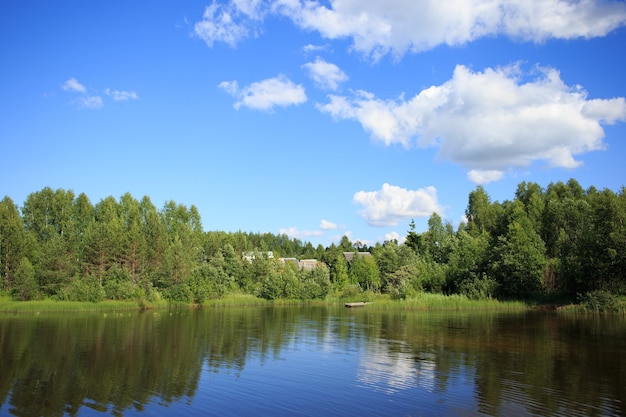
x,y
559,241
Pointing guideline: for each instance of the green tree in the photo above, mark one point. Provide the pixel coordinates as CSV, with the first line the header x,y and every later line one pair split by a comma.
x,y
315,283
479,213
14,242
156,240
519,257
364,271
26,286
467,267
133,242
104,239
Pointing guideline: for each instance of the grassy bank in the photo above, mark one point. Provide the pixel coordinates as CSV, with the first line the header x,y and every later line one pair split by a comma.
x,y
432,302
8,305
423,301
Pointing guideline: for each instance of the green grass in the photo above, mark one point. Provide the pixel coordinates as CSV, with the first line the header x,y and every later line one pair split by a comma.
x,y
427,301
40,306
234,300
422,301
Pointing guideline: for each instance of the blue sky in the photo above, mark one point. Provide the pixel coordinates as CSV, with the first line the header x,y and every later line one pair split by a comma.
x,y
313,118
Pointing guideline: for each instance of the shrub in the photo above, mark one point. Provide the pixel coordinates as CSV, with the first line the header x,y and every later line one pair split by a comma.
x,y
25,285
601,301
478,287
82,289
178,294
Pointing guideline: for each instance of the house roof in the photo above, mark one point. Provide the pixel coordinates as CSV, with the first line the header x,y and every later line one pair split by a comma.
x,y
350,255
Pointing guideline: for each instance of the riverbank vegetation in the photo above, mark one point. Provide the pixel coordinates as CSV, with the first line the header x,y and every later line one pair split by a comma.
x,y
559,243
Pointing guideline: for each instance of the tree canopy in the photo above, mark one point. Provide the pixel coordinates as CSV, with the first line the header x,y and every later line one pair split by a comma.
x,y
561,239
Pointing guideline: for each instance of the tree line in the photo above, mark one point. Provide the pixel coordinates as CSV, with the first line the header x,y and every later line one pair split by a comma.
x,y
561,240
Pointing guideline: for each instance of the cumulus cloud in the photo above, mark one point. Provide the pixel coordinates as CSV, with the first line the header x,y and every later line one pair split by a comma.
x,y
391,204
326,225
73,85
484,176
397,26
294,233
326,75
121,95
266,94
489,121
395,236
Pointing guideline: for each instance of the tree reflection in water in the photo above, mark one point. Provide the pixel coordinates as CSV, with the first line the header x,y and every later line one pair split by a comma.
x,y
120,363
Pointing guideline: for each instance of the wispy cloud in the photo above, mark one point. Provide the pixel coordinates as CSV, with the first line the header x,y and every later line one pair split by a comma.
x,y
327,225
325,75
90,102
84,100
490,121
229,22
73,85
392,204
121,95
266,94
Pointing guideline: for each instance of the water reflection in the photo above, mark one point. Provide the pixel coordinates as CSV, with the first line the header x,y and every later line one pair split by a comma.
x,y
235,360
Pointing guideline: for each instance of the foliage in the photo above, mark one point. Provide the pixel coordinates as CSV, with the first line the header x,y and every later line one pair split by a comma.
x,y
25,286
558,241
602,302
83,289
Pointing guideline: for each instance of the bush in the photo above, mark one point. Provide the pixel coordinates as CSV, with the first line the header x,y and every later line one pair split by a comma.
x,y
316,283
352,291
119,286
83,289
478,288
601,301
178,294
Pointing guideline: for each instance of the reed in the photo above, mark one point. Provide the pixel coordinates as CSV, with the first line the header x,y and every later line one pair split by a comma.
x,y
47,305
235,300
431,302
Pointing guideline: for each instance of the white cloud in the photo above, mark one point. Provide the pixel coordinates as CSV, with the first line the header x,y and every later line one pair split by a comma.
x,y
230,22
73,85
378,28
397,26
391,204
121,95
310,48
90,102
266,94
327,225
294,233
326,75
395,236
489,121
483,177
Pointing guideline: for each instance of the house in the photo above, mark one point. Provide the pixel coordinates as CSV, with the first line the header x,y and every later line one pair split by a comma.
x,y
308,264
350,255
292,260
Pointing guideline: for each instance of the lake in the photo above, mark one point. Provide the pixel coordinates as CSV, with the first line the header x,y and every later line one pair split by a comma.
x,y
311,361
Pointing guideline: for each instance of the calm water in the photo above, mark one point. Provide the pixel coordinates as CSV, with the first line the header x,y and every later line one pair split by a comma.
x,y
311,361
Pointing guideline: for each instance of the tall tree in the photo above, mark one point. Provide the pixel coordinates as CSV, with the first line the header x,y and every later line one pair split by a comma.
x,y
519,257
479,214
14,242
364,271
